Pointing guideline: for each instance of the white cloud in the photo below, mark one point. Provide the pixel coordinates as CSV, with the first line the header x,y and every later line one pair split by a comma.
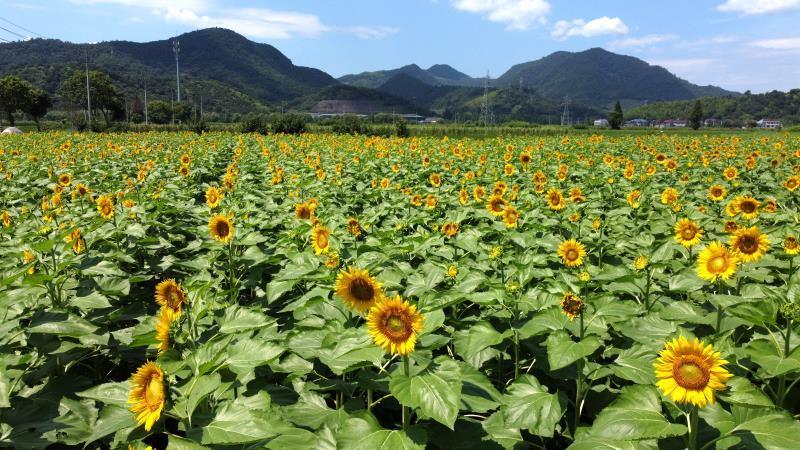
x,y
751,7
792,43
517,14
564,29
643,41
261,23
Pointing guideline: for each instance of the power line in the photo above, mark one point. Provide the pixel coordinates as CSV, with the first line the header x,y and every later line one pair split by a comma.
x,y
22,28
4,40
14,33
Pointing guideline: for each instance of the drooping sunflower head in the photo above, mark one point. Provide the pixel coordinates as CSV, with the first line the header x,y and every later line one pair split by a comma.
x,y
717,193
165,318
690,372
213,197
571,305
716,262
105,207
792,183
450,229
320,239
571,252
511,217
748,206
394,325
633,198
791,246
478,193
303,211
495,205
170,294
688,233
358,289
730,226
749,244
221,228
147,395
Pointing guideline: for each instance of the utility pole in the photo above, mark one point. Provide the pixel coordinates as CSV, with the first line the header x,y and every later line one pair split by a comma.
x,y
172,106
88,97
146,121
176,48
565,118
486,110
201,107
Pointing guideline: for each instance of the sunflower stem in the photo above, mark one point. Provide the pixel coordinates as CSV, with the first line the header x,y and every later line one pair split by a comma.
x,y
578,382
369,399
693,421
405,411
516,354
782,391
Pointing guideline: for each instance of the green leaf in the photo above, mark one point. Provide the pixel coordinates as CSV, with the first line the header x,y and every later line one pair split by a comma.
x,y
109,393
471,343
528,405
766,354
358,434
197,389
241,320
635,415
635,364
61,324
248,354
612,444
179,443
437,393
111,419
499,432
563,351
236,424
478,394
742,392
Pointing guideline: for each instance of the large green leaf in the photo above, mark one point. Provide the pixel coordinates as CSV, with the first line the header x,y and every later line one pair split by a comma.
x,y
563,351
528,405
358,434
436,392
635,415
473,344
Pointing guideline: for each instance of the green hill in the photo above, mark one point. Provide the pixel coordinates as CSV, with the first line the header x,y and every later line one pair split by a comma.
x,y
599,78
436,75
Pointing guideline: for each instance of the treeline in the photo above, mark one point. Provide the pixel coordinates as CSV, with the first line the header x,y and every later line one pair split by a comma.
x,y
739,111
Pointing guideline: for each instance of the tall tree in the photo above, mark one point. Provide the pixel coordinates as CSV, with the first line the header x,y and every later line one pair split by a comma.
x,y
615,117
105,97
697,115
38,105
15,95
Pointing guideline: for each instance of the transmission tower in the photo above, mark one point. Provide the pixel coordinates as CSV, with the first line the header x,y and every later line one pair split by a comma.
x,y
487,117
565,117
176,48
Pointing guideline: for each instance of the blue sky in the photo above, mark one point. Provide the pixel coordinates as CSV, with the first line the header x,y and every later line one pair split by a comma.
x,y
736,44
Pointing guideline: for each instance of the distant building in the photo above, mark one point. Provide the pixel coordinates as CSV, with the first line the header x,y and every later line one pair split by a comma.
x,y
432,120
413,118
637,123
601,123
671,123
772,124
712,123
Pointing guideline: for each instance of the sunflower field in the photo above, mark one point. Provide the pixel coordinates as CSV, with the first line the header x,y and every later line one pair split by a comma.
x,y
170,290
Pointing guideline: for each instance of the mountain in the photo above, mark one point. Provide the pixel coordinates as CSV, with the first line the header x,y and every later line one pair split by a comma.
x,y
342,98
599,78
436,75
217,63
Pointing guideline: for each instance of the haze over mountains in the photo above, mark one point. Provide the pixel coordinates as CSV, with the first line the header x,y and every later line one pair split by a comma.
x,y
236,75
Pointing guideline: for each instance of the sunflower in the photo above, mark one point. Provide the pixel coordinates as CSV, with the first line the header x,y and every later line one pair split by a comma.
x,y
320,239
435,179
213,197
105,206
452,271
748,206
571,305
791,246
511,217
688,233
6,218
430,201
184,171
147,394
353,227
478,193
731,173
749,244
576,195
450,229
303,211
65,179
165,318
416,200
358,289
394,325
730,226
669,196
185,159
716,262
792,183
717,193
463,197
496,205
555,200
170,294
641,262
690,371
633,198
221,228
572,253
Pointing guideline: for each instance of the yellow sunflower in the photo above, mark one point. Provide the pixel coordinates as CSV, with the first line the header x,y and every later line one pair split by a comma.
x,y
105,206
450,229
320,239
690,372
641,262
165,318
669,196
353,227
571,305
748,206
511,217
716,262
717,193
358,289
495,205
791,246
394,325
213,197
555,200
688,233
749,244
792,183
147,394
170,294
65,179
633,198
221,228
571,252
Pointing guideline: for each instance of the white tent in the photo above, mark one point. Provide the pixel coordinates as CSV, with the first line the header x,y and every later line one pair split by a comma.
x,y
12,130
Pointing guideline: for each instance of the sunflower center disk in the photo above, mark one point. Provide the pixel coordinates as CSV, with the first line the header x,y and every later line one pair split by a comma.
x,y
572,254
362,290
690,374
749,244
396,327
747,207
688,233
717,264
222,229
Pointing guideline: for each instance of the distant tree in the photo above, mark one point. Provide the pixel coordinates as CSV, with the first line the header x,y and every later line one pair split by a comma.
x,y
288,123
697,115
401,128
38,105
15,95
183,112
615,117
159,111
105,98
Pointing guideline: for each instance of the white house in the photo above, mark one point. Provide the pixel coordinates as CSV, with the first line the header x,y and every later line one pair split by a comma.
x,y
772,124
601,123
